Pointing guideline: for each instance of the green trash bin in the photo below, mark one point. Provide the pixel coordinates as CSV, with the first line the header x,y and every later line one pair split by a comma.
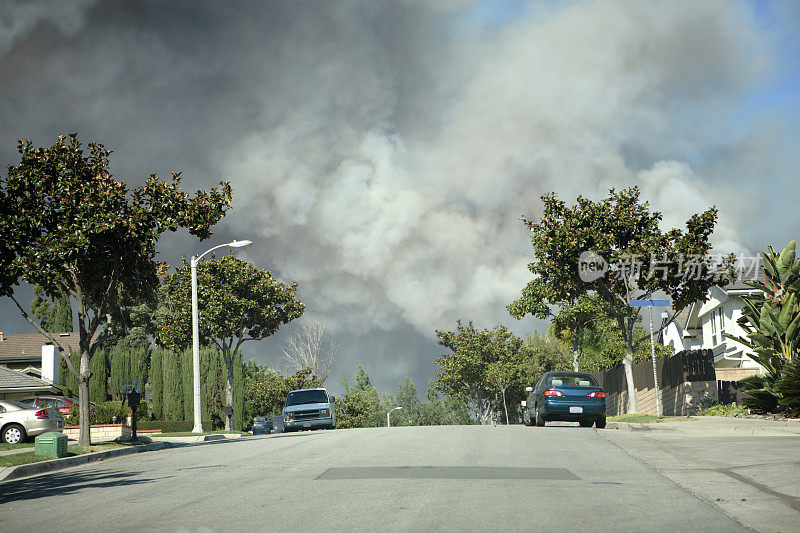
x,y
51,444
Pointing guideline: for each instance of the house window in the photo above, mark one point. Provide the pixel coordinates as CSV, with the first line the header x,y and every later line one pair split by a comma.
x,y
714,329
721,320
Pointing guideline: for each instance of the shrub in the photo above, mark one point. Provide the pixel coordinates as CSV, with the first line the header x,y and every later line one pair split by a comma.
x,y
104,412
722,410
173,426
789,387
763,394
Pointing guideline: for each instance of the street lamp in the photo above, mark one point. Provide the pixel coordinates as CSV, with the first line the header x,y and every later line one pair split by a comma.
x,y
388,425
198,424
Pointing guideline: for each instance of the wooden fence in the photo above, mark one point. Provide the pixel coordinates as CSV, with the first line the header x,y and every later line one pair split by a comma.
x,y
684,379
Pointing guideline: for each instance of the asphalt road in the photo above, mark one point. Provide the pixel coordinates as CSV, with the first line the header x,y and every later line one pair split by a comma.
x,y
464,478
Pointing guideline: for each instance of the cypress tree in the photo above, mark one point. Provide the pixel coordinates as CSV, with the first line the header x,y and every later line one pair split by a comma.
x,y
172,386
156,384
120,367
238,392
61,315
212,388
187,377
69,385
98,383
138,360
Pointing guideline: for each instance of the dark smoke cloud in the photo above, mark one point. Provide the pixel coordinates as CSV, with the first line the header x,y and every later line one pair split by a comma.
x,y
382,153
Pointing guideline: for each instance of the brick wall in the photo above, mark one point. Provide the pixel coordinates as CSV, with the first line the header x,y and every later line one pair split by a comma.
x,y
100,432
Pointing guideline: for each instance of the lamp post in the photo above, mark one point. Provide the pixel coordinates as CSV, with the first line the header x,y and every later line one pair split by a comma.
x,y
388,424
198,424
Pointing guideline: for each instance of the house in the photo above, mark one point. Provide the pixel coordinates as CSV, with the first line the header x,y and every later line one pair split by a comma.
x,y
23,352
702,324
15,384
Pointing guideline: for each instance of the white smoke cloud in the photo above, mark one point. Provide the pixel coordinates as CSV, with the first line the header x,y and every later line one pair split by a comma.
x,y
382,153
421,227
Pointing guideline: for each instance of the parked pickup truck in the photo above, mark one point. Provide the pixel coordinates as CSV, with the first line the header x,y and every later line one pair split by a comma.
x,y
308,409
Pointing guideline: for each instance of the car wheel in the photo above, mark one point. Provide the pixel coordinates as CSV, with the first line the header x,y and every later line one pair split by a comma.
x,y
13,434
586,423
600,422
526,418
539,418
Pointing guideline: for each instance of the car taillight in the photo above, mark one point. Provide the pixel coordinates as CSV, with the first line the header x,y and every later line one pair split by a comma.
x,y
597,394
41,414
552,392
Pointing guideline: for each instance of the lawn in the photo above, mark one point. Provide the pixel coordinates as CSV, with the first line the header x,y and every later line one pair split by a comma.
x,y
5,447
29,457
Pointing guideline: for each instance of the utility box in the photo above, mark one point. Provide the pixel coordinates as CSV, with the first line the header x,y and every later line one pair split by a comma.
x,y
51,444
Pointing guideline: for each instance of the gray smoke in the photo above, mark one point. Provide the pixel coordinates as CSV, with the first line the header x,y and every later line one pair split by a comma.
x,y
382,153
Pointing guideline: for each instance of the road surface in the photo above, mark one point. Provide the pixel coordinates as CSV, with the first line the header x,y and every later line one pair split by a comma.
x,y
450,478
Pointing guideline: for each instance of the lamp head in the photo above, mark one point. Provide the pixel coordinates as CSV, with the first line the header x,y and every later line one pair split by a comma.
x,y
240,244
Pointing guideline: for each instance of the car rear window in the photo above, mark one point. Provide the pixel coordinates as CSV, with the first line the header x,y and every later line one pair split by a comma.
x,y
571,380
306,396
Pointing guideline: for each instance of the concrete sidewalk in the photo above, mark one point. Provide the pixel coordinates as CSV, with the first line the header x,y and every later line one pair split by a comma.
x,y
717,425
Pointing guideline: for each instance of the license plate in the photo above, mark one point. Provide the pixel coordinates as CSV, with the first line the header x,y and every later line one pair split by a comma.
x,y
306,424
576,409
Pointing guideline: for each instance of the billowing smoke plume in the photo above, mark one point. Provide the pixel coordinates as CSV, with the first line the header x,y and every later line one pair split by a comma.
x,y
382,153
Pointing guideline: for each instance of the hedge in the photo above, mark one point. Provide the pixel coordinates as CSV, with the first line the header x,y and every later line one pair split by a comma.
x,y
172,426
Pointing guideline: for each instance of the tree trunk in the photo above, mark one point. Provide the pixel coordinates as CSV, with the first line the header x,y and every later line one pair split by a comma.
x,y
229,393
627,363
85,435
505,407
576,353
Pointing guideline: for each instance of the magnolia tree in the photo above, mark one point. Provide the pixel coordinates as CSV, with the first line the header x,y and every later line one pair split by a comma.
x,y
67,226
615,251
237,301
482,366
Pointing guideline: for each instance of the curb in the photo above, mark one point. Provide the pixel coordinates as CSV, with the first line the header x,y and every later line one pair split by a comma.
x,y
14,472
739,431
199,438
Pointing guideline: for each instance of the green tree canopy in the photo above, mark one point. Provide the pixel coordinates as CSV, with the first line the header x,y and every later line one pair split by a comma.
x,y
238,302
644,260
69,227
474,372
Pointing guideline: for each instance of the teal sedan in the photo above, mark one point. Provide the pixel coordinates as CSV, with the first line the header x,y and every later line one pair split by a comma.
x,y
567,397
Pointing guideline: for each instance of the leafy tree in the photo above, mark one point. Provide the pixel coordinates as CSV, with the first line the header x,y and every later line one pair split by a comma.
x,y
602,346
439,412
54,316
69,227
239,302
646,260
265,389
361,406
465,373
407,399
771,321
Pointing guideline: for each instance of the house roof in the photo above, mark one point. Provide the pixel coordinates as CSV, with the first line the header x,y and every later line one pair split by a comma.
x,y
28,346
11,380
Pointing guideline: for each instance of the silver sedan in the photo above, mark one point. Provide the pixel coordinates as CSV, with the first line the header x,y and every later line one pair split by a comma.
x,y
19,421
